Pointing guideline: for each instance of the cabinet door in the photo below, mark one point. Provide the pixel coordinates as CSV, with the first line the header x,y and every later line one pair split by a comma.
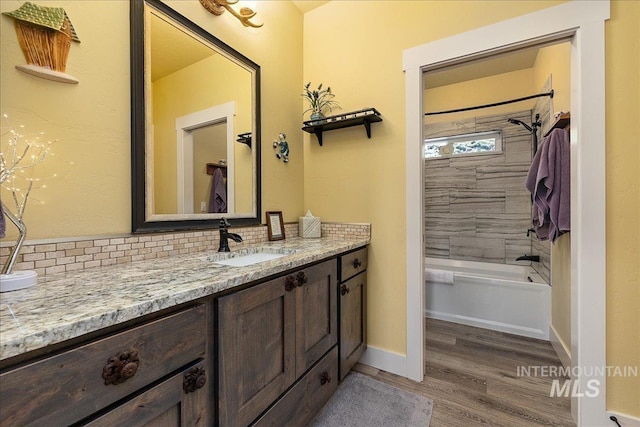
x,y
316,314
353,334
256,348
165,405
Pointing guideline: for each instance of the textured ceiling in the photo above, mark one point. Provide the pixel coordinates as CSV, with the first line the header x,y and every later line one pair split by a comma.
x,y
173,49
512,61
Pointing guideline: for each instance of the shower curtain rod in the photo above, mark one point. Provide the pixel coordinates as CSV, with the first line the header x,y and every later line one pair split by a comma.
x,y
539,95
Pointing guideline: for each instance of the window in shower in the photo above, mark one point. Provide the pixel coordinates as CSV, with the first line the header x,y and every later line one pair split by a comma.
x,y
463,145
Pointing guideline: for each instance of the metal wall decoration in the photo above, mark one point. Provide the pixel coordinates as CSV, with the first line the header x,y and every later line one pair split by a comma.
x,y
281,142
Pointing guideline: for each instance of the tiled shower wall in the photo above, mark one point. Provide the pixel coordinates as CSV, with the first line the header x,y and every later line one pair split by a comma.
x,y
477,207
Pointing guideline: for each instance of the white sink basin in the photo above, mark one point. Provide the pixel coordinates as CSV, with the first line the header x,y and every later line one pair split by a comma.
x,y
250,259
247,257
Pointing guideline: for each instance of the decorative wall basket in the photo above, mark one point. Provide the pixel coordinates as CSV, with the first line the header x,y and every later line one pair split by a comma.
x,y
45,35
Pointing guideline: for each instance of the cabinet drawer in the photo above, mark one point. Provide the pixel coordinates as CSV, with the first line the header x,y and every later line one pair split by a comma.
x,y
305,399
166,404
65,388
353,263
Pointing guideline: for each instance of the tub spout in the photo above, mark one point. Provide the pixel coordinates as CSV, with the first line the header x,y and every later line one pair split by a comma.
x,y
534,258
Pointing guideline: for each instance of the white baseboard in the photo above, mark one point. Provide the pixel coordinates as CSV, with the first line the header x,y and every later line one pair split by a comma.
x,y
488,324
385,360
560,347
624,420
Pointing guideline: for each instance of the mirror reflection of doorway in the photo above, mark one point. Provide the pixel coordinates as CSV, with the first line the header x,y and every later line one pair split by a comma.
x,y
204,140
210,168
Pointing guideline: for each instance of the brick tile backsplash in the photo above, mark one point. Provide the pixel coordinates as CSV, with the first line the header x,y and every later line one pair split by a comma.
x,y
83,253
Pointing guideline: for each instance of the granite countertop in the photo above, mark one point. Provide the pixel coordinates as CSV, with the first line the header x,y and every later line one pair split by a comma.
x,y
67,305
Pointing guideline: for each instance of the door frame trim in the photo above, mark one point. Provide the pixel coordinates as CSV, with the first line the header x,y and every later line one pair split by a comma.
x,y
584,22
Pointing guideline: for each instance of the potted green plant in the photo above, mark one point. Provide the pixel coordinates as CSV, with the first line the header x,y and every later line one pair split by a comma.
x,y
319,100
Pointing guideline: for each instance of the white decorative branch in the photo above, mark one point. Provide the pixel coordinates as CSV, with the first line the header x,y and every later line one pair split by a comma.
x,y
18,155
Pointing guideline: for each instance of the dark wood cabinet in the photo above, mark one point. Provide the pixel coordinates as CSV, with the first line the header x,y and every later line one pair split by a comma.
x,y
256,329
305,399
316,315
270,335
79,382
353,310
271,354
168,404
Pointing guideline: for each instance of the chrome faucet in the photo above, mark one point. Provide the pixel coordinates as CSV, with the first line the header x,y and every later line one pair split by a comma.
x,y
225,236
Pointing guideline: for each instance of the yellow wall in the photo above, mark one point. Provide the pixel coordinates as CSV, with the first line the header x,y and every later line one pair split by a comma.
x,y
556,60
351,178
195,96
91,120
355,179
486,90
623,201
561,289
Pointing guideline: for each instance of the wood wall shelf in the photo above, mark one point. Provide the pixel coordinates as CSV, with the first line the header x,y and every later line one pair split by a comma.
x,y
562,121
355,118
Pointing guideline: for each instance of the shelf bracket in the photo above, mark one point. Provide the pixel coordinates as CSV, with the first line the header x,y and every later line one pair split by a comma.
x,y
367,127
363,117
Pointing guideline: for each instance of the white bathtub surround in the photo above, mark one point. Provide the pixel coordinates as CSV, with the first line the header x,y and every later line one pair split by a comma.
x,y
492,296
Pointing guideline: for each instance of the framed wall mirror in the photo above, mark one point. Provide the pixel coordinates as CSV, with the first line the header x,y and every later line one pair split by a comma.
x,y
195,139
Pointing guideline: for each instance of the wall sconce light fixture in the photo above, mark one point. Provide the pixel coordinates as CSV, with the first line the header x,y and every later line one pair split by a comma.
x,y
217,7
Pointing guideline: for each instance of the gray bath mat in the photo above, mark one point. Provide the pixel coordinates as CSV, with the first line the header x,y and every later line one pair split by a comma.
x,y
361,401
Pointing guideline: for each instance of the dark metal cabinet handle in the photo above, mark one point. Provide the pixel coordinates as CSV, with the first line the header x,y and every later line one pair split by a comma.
x,y
325,378
120,367
289,283
344,290
302,278
194,379
357,263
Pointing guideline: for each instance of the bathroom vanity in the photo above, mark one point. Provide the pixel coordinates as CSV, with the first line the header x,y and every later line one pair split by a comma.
x,y
185,341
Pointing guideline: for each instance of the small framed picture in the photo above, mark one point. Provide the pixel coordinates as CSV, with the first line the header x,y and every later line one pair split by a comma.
x,y
275,226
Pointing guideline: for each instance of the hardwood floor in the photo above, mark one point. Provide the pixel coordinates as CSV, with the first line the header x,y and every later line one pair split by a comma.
x,y
471,375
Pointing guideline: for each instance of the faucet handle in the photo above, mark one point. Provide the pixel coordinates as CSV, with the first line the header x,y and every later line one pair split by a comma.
x,y
224,223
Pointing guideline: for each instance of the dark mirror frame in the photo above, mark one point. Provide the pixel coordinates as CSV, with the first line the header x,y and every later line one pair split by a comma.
x,y
138,126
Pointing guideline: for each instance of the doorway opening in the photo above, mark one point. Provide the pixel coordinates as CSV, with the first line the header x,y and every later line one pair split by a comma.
x,y
584,25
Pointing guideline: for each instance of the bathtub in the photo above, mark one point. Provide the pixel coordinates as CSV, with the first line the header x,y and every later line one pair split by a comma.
x,y
507,298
